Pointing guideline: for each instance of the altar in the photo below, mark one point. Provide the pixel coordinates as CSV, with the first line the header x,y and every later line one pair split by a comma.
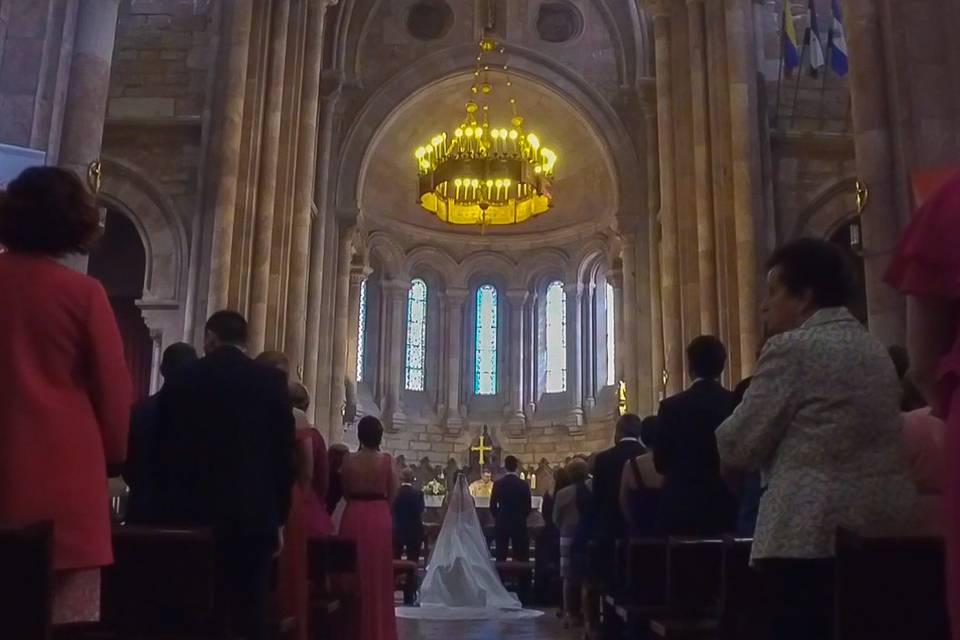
x,y
482,502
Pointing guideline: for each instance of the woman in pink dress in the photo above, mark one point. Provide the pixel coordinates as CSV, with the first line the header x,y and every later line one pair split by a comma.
x,y
314,483
926,267
65,392
369,485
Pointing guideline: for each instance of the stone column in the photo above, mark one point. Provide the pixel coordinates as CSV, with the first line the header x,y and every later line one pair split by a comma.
x,y
702,168
304,206
454,349
237,17
85,106
264,214
631,311
589,360
517,299
873,139
748,201
338,391
574,297
395,294
358,274
669,247
530,358
615,278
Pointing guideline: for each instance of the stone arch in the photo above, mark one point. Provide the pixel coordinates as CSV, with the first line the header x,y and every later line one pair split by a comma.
x,y
128,190
552,263
433,258
487,263
389,253
829,209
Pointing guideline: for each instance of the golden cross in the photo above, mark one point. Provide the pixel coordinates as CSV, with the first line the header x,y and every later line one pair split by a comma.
x,y
481,449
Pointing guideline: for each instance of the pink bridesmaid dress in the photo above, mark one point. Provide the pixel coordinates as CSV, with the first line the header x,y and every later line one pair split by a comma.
x,y
368,520
927,265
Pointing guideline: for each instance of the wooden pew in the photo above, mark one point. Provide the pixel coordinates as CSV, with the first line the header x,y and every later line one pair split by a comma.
x,y
26,581
405,573
644,584
743,599
332,561
163,583
519,575
890,587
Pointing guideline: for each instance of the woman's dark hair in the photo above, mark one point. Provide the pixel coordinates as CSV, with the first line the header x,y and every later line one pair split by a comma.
x,y
648,431
175,358
370,432
815,265
48,210
561,479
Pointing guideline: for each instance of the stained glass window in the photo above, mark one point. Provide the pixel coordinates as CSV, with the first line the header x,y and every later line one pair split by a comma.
x,y
611,338
556,315
485,356
362,330
416,334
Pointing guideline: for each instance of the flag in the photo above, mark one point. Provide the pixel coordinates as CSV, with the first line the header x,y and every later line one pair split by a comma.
x,y
811,39
791,52
837,43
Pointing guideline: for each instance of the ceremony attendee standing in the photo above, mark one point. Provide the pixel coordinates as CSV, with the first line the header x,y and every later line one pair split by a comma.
x,y
510,504
641,485
695,500
926,267
65,391
607,472
566,516
408,508
226,455
139,471
369,487
821,419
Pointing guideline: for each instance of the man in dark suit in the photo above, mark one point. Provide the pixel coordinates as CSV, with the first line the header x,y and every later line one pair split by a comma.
x,y
607,472
226,451
695,500
139,471
408,508
510,506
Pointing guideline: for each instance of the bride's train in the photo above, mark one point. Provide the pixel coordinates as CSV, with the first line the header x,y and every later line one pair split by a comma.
x,y
462,581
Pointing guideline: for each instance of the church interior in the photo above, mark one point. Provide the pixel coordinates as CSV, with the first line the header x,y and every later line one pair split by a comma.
x,y
493,225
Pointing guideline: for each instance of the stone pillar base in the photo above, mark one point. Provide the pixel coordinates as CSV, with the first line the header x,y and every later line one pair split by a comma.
x,y
453,424
575,420
517,425
395,421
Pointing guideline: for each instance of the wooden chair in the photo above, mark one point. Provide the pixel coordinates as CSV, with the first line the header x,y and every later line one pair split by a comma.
x,y
26,581
890,587
163,583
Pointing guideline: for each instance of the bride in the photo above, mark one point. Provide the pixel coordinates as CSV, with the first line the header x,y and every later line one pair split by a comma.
x,y
460,575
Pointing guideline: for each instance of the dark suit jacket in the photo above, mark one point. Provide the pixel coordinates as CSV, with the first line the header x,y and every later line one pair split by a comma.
x,y
607,472
694,499
139,470
408,508
510,502
226,446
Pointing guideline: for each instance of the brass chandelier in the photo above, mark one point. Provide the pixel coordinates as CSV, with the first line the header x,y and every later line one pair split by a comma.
x,y
485,174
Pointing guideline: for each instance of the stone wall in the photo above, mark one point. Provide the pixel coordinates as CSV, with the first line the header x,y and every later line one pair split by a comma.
x,y
160,59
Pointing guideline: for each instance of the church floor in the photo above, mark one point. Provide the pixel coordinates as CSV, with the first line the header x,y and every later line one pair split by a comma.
x,y
546,627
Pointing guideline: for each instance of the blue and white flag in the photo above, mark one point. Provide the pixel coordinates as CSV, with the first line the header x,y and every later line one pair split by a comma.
x,y
837,43
812,41
791,52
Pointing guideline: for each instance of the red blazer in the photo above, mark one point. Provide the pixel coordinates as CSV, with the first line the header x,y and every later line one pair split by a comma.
x,y
65,397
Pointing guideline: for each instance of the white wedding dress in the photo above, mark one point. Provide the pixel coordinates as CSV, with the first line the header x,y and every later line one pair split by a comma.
x,y
462,581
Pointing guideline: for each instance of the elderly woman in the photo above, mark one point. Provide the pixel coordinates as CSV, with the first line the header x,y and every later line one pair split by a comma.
x,y
566,516
821,421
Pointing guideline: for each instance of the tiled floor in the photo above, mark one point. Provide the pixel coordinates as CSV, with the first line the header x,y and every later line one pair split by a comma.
x,y
546,627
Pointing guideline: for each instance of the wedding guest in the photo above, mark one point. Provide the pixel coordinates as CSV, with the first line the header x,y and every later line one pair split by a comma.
x,y
369,487
335,456
315,477
226,451
749,485
510,504
695,500
566,516
65,391
139,471
926,267
911,398
821,419
408,508
275,360
641,485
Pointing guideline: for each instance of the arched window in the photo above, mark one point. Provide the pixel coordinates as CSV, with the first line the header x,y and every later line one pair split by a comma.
x,y
485,355
362,330
611,337
416,334
556,316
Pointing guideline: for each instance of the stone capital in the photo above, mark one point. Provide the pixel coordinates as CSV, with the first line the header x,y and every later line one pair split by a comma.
x,y
359,273
395,287
573,288
517,296
455,296
615,278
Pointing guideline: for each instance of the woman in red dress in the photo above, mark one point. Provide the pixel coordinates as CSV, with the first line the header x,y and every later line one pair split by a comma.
x,y
65,391
369,485
926,267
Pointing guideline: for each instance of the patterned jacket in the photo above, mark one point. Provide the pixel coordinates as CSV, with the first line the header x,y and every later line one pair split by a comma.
x,y
821,421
